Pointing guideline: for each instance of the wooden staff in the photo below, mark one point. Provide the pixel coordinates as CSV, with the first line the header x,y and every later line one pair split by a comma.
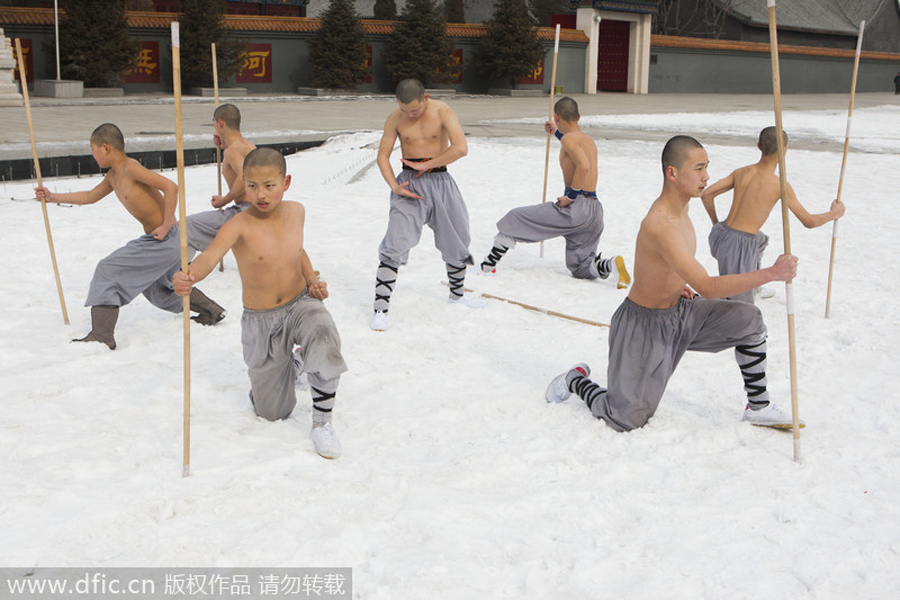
x,y
37,171
218,150
544,311
549,134
186,308
834,228
786,225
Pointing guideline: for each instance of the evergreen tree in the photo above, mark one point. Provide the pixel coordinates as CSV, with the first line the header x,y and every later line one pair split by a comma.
x,y
385,10
455,10
338,49
511,48
200,26
418,47
93,42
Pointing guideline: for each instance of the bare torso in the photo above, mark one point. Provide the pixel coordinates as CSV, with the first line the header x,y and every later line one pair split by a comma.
x,y
656,283
568,165
424,137
756,191
232,164
143,202
271,276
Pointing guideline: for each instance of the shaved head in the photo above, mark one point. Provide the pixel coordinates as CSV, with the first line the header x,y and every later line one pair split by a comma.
x,y
675,153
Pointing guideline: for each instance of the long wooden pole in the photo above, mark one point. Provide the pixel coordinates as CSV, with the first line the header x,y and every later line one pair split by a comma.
x,y
834,228
215,71
186,308
786,225
543,311
40,182
549,133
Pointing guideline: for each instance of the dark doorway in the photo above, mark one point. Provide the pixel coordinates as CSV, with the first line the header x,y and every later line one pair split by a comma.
x,y
612,60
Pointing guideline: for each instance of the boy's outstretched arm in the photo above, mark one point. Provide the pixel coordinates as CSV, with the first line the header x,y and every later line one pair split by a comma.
x,y
101,190
810,221
206,261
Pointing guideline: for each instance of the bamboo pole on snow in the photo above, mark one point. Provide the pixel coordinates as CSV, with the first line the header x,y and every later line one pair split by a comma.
x,y
549,134
215,71
834,228
786,226
37,170
186,307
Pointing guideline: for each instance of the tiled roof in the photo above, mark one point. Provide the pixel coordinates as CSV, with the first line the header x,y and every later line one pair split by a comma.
x,y
151,20
820,16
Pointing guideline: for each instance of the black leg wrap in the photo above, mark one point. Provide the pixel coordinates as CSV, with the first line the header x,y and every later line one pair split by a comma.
x,y
751,360
322,402
384,285
493,257
457,277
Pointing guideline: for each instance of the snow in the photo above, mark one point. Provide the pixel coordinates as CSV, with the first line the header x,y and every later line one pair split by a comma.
x,y
457,479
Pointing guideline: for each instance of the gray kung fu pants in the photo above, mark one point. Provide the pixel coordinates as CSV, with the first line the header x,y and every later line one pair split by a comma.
x,y
646,345
737,252
441,208
269,337
580,223
142,266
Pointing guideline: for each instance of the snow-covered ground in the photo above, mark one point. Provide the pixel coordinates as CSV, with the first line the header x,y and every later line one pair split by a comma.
x,y
458,480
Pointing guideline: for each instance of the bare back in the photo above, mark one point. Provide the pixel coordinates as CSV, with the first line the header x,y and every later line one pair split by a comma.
x,y
233,163
268,249
756,191
141,199
579,148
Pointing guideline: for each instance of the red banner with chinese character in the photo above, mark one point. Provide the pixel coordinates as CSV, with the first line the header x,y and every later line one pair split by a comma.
x,y
536,76
455,75
257,64
146,70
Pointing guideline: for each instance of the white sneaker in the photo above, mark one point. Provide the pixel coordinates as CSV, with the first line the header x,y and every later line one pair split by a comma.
x,y
558,390
379,321
467,299
770,416
325,440
764,292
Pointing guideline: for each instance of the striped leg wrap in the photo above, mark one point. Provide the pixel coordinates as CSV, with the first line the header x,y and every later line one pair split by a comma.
x,y
493,258
323,404
457,278
604,266
752,361
586,389
385,279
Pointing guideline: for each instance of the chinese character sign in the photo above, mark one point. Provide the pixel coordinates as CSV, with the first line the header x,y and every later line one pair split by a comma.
x,y
28,58
536,76
257,64
455,74
146,70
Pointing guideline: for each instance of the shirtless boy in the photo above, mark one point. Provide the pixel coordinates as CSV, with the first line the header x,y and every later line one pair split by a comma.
x,y
202,227
282,299
663,317
424,193
737,243
144,265
577,215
